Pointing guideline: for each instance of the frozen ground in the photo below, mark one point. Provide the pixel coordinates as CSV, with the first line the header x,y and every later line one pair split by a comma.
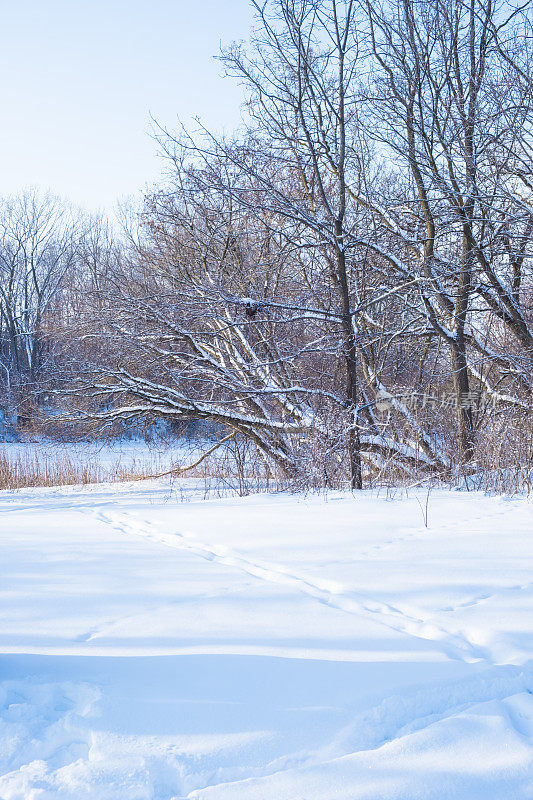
x,y
156,646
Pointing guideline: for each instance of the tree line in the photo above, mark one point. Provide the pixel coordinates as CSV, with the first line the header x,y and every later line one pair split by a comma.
x,y
345,282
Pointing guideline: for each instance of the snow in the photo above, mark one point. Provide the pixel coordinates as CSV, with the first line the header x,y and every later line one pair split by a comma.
x,y
108,455
156,644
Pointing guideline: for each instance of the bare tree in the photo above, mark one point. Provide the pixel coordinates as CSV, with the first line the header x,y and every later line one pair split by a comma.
x,y
450,104
320,284
37,250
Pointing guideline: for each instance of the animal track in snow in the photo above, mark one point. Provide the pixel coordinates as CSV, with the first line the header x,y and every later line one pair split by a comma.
x,y
455,645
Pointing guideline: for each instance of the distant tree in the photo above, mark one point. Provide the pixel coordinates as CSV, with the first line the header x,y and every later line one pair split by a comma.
x,y
37,252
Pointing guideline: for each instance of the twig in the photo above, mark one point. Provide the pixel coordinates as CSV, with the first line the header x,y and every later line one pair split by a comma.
x,y
179,470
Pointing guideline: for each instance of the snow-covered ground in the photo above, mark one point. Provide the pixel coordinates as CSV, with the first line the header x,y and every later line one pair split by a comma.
x,y
157,645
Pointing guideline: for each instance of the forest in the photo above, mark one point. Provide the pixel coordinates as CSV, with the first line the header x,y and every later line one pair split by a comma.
x,y
344,284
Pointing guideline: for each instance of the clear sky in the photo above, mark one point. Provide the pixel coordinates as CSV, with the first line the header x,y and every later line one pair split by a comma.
x,y
80,78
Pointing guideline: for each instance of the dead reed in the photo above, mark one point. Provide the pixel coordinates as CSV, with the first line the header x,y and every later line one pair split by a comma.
x,y
33,468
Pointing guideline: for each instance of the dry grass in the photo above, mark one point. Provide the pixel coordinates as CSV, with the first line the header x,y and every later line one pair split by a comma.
x,y
234,468
237,468
30,469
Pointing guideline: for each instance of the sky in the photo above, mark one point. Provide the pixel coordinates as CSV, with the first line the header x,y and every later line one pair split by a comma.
x,y
81,79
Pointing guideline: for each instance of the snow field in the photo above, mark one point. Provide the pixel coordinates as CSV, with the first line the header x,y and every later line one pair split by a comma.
x,y
296,648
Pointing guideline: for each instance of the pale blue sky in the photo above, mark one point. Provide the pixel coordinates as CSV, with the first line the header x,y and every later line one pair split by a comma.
x,y
79,79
